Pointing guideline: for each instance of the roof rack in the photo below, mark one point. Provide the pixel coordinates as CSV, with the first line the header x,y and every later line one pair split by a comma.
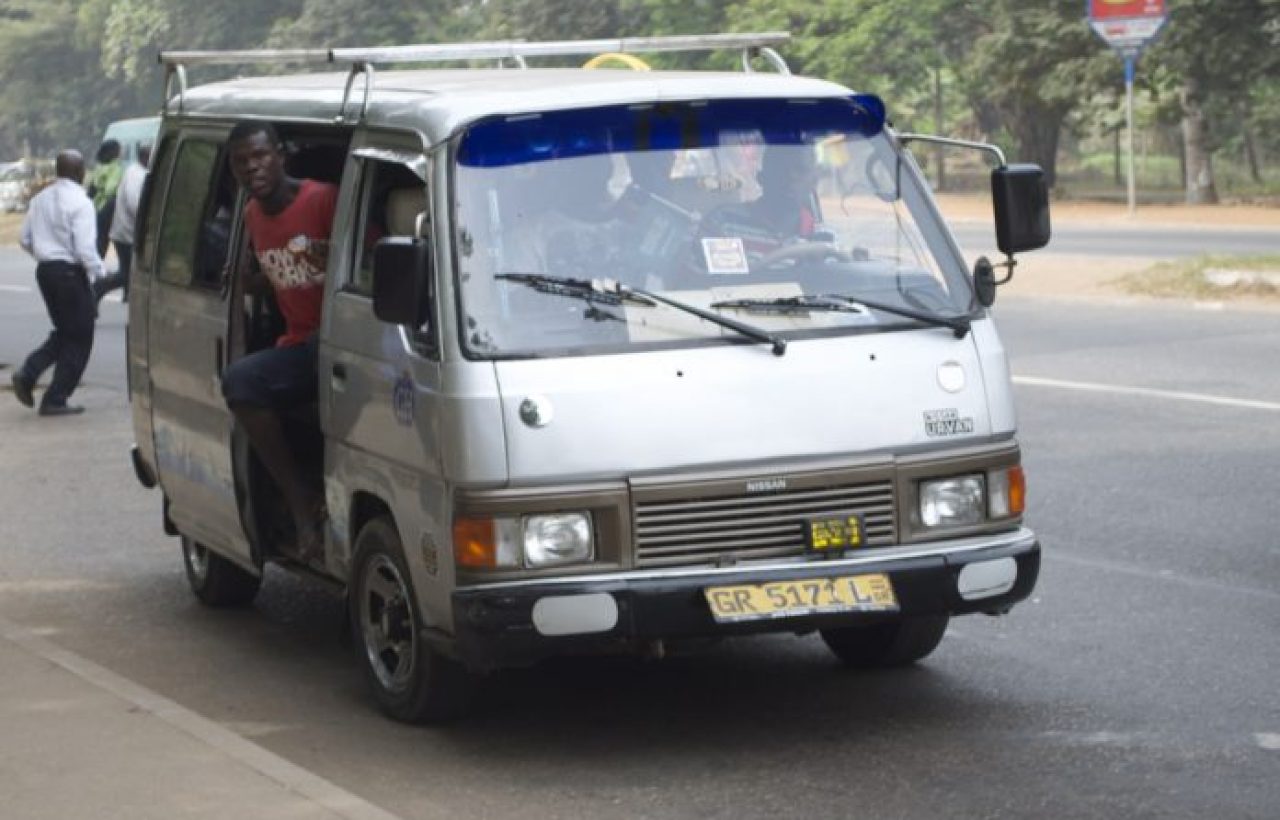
x,y
362,60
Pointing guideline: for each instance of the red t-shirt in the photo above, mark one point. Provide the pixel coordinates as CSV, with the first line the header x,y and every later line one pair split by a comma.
x,y
280,242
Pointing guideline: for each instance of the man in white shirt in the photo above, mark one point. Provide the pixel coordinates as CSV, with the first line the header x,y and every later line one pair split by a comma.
x,y
123,225
60,231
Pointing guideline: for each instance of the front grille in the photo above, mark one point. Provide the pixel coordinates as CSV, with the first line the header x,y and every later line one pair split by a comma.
x,y
756,526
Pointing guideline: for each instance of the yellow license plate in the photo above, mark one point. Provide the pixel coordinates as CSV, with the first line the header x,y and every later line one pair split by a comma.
x,y
812,596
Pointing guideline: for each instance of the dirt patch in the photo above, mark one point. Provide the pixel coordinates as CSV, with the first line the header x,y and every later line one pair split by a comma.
x,y
10,227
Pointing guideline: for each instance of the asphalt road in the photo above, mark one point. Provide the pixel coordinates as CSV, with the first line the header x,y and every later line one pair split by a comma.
x,y
1138,682
1157,243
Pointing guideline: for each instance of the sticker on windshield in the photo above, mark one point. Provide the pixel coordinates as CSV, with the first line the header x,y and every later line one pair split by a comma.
x,y
946,423
725,254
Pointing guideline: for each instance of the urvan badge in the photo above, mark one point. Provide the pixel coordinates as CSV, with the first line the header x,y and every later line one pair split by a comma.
x,y
946,422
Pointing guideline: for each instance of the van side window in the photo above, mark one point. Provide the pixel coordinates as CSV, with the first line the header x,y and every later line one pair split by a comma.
x,y
153,203
188,234
391,197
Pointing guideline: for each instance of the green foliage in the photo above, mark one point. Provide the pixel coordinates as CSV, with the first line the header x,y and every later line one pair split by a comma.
x,y
1023,74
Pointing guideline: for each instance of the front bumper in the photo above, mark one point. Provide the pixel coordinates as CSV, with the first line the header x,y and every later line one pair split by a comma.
x,y
505,624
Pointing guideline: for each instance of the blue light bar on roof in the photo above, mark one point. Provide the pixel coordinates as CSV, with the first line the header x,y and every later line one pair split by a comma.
x,y
513,140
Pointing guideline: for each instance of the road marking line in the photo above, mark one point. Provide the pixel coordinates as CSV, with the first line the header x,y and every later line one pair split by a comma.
x,y
15,288
1268,740
290,776
1035,381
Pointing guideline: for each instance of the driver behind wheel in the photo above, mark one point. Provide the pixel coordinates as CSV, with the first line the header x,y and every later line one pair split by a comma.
x,y
786,212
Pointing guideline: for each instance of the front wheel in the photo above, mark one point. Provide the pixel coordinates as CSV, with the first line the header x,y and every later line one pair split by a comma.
x,y
891,643
216,581
411,681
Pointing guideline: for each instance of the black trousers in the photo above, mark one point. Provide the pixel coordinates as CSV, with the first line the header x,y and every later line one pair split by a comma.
x,y
104,224
69,299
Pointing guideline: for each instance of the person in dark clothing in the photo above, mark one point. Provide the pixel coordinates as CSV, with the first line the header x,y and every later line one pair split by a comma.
x,y
59,231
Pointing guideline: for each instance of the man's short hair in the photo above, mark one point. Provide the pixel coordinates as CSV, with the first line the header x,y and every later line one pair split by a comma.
x,y
109,150
247,128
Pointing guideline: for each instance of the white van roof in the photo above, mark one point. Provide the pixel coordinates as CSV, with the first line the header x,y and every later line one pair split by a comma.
x,y
438,102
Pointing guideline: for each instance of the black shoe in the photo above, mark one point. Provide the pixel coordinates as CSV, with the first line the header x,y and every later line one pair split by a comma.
x,y
22,389
60,409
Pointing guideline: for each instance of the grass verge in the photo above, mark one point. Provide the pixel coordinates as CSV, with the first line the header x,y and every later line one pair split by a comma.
x,y
1185,279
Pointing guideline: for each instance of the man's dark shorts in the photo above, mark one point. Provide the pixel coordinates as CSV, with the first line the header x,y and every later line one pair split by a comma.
x,y
277,378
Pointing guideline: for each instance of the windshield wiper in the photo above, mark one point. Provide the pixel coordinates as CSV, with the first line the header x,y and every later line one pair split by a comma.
x,y
609,292
778,345
844,304
586,289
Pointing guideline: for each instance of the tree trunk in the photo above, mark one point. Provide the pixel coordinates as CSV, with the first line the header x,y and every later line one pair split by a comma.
x,y
1199,179
1251,151
1037,133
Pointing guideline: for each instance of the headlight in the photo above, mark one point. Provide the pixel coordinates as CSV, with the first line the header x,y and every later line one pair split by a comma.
x,y
953,502
559,538
532,541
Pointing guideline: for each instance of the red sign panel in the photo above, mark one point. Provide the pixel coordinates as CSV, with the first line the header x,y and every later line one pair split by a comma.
x,y
1125,9
1127,25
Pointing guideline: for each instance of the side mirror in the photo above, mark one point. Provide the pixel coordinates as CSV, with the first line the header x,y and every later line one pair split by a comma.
x,y
402,277
1021,201
984,281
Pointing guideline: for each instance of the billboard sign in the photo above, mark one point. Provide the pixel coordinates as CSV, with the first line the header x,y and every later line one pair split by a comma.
x,y
1127,25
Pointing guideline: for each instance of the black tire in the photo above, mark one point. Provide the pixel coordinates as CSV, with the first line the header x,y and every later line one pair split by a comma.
x,y
411,681
891,643
216,581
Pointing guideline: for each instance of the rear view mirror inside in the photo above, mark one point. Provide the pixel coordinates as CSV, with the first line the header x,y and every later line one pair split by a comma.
x,y
1021,200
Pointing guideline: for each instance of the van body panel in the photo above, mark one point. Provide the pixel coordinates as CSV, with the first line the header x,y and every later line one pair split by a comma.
x,y
663,411
191,422
418,503
996,377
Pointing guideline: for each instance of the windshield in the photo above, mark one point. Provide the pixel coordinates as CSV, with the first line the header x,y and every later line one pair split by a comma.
x,y
777,214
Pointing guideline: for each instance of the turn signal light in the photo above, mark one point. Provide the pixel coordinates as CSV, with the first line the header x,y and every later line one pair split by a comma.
x,y
1017,491
475,543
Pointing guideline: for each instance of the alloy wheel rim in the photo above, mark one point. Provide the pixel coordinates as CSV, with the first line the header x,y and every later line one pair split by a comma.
x,y
387,624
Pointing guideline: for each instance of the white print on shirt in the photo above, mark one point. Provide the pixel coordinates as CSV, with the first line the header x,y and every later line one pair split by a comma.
x,y
288,269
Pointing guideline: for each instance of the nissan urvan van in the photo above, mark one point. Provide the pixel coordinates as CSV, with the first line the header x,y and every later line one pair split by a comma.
x,y
611,361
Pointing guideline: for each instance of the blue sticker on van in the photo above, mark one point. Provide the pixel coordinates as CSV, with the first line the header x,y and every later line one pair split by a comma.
x,y
402,399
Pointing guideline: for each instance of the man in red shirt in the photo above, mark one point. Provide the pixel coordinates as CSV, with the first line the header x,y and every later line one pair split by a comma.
x,y
288,221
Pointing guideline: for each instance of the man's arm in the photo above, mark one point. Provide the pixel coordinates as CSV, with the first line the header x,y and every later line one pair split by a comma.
x,y
25,240
250,273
